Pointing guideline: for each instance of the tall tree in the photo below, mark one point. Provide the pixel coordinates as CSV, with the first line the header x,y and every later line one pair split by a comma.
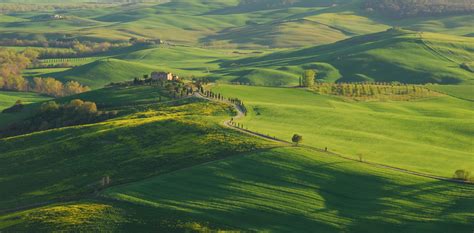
x,y
308,78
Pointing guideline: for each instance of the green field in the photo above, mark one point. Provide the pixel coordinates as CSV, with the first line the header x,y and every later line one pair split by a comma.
x,y
394,133
223,24
390,56
465,92
102,72
8,98
387,151
394,55
278,190
146,140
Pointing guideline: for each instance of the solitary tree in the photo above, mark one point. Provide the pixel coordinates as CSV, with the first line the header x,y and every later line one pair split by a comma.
x,y
296,139
308,78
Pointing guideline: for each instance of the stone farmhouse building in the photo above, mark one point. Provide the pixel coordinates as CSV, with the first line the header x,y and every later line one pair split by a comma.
x,y
164,76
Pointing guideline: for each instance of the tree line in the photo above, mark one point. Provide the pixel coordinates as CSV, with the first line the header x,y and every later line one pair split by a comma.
x,y
373,90
219,96
410,8
64,48
13,63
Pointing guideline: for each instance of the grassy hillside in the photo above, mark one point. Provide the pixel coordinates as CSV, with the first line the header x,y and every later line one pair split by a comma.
x,y
146,140
102,72
284,189
8,98
394,133
393,55
224,23
460,91
293,190
182,60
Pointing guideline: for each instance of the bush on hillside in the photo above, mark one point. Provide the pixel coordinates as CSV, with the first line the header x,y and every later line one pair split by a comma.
x,y
462,175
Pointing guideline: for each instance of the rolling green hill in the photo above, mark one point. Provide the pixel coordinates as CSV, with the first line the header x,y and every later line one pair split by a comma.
x,y
393,55
225,23
460,91
102,72
161,157
8,98
148,138
397,133
278,190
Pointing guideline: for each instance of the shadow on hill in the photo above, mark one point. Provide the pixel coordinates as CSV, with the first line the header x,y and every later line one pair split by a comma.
x,y
367,57
71,161
271,191
102,72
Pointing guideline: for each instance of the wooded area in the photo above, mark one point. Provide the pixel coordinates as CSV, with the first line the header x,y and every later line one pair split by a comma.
x,y
13,63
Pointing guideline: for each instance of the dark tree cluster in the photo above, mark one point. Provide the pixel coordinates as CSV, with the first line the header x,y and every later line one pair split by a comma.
x,y
53,115
411,8
396,91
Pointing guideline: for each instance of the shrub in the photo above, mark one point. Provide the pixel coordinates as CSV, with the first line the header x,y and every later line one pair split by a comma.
x,y
462,175
296,139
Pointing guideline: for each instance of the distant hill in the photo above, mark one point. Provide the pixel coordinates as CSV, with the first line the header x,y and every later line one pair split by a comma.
x,y
100,73
393,55
410,8
225,24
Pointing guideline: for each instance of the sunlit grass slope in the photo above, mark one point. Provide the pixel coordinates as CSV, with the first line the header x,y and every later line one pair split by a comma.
x,y
182,60
393,55
8,98
277,190
460,91
102,72
146,140
432,135
292,190
223,23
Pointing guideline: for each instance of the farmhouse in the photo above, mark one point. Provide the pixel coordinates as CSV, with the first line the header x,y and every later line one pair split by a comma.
x,y
164,76
57,16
